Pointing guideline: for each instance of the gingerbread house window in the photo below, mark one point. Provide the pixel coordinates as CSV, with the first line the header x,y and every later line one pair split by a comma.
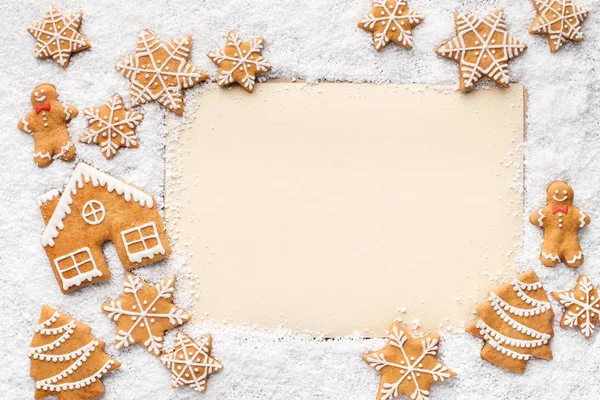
x,y
76,267
93,212
142,242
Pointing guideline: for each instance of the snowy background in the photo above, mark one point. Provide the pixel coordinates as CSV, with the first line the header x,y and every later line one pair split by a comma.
x,y
306,39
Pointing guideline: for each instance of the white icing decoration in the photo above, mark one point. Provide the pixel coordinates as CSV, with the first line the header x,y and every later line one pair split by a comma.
x,y
560,199
141,312
82,175
586,306
46,197
389,18
26,126
410,366
80,277
555,16
58,155
550,256
576,257
485,329
497,68
93,212
66,334
147,252
67,111
241,61
185,357
541,218
581,219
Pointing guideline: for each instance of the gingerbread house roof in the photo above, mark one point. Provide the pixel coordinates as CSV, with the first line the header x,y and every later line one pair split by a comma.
x,y
82,175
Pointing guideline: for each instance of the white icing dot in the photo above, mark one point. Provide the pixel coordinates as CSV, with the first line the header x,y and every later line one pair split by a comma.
x,y
145,301
556,191
133,307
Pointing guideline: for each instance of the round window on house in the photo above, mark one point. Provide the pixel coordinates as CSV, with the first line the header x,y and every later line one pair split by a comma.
x,y
93,212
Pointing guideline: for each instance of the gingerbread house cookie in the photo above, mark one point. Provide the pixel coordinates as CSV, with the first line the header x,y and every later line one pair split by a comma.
x,y
93,209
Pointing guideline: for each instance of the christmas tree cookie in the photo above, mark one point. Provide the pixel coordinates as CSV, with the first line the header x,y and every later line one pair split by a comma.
x,y
560,20
408,366
560,221
160,71
144,313
482,47
240,62
191,362
66,360
582,306
58,36
516,323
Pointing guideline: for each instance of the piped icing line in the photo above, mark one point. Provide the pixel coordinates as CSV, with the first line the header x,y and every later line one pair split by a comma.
x,y
26,126
67,111
550,256
46,197
511,353
56,343
58,155
490,333
577,257
497,301
47,322
82,175
525,297
541,218
88,348
47,384
520,327
581,219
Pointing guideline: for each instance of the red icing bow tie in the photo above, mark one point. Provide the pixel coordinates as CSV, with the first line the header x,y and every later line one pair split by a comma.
x,y
563,209
45,106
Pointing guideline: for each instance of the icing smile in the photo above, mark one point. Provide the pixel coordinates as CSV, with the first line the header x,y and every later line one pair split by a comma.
x,y
561,199
40,99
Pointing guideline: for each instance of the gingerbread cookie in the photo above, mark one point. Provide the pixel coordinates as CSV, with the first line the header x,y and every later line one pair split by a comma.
x,y
47,123
560,20
66,360
144,313
390,20
560,221
93,209
160,71
240,62
58,36
191,363
482,47
111,126
516,323
408,366
582,306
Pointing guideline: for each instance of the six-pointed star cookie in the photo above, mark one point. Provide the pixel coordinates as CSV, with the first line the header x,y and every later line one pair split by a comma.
x,y
482,47
582,306
390,20
560,20
190,362
144,313
111,126
160,71
58,37
240,62
408,366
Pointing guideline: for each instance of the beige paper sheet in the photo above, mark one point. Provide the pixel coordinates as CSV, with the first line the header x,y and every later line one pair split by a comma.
x,y
337,207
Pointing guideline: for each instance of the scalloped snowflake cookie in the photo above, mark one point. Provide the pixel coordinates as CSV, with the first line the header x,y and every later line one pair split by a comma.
x,y
111,126
144,313
408,366
482,47
240,62
390,20
582,306
560,20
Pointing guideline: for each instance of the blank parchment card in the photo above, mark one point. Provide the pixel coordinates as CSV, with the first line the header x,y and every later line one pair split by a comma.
x,y
338,207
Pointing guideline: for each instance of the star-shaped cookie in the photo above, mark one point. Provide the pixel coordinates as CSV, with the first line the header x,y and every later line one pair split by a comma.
x,y
482,47
582,306
240,62
111,126
144,313
160,71
390,20
190,363
58,36
408,366
560,20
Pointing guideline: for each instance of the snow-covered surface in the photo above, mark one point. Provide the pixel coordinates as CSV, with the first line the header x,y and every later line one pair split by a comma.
x,y
314,40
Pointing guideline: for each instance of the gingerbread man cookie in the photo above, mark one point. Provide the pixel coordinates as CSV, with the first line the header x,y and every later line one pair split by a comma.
x,y
560,221
47,123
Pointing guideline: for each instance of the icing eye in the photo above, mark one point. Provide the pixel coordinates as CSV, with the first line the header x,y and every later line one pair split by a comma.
x,y
43,91
565,191
36,94
556,191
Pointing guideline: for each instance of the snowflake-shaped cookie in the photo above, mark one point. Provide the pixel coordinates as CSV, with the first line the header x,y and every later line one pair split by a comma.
x,y
160,71
58,36
582,306
144,313
560,20
240,62
482,47
408,366
111,126
190,362
390,20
